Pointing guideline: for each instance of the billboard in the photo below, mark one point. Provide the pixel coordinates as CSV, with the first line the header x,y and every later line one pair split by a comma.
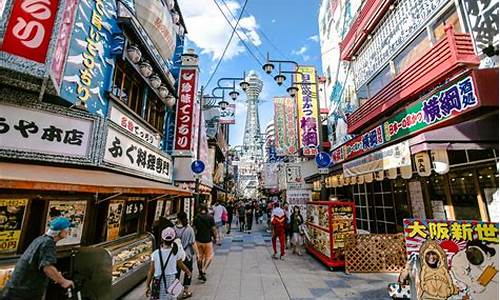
x,y
453,259
285,126
307,110
227,114
185,108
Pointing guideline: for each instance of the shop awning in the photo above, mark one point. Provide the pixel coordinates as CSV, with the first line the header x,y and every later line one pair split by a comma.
x,y
475,134
49,178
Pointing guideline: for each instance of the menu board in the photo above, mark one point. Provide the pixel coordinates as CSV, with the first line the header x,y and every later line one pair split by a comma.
x,y
12,213
159,209
320,240
75,212
342,225
133,210
115,211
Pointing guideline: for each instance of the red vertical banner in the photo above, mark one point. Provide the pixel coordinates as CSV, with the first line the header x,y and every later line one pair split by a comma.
x,y
185,108
30,28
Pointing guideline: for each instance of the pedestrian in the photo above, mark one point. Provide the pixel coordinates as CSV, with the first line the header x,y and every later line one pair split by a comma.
x,y
204,226
278,223
249,215
241,215
230,213
186,234
163,268
288,227
219,212
296,221
36,265
158,226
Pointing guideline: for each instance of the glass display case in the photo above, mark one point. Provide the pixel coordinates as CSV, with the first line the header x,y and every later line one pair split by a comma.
x,y
111,269
329,224
6,269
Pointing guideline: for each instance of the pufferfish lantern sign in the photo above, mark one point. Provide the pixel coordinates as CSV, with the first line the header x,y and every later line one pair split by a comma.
x,y
455,259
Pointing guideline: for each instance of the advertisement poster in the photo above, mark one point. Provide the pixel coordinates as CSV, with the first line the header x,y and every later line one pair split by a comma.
x,y
307,110
159,209
454,259
342,226
75,212
285,126
227,114
114,218
11,222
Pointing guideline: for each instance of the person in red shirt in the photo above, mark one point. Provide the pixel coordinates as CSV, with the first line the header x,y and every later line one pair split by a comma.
x,y
278,223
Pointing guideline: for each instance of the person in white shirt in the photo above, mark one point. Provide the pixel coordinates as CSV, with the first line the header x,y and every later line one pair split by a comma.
x,y
163,267
219,212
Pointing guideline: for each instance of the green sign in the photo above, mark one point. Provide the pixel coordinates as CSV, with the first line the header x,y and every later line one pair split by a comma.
x,y
442,106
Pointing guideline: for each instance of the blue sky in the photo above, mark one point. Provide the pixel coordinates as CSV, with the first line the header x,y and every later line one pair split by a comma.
x,y
291,26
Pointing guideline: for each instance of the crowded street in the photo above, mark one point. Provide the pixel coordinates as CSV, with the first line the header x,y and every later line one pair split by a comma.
x,y
243,268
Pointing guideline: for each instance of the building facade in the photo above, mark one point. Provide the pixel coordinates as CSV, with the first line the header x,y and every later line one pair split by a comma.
x,y
422,139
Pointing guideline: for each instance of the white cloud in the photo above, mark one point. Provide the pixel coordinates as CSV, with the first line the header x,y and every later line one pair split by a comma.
x,y
301,51
209,31
273,21
314,38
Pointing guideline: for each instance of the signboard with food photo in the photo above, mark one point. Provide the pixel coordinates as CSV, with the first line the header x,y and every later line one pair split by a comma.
x,y
12,213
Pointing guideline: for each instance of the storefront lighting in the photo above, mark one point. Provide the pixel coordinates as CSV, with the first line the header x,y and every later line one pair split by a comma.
x,y
369,37
453,179
268,68
234,95
462,179
244,85
480,177
292,91
470,174
489,176
223,104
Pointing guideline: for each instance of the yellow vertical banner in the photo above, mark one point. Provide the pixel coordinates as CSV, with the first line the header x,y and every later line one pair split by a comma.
x,y
307,110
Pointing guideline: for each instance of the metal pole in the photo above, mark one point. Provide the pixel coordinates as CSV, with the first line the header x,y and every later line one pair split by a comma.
x,y
198,176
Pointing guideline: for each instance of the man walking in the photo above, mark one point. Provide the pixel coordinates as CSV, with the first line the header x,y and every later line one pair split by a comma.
x,y
36,265
204,226
249,214
219,211
230,211
241,215
278,223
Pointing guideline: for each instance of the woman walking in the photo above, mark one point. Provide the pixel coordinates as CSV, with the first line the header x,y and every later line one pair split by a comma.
x,y
296,222
163,267
186,234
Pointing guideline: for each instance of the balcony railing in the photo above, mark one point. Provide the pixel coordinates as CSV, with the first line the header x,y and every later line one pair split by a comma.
x,y
365,22
448,56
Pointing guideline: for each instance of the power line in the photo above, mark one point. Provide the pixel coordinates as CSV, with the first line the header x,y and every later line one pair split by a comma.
x,y
228,42
237,34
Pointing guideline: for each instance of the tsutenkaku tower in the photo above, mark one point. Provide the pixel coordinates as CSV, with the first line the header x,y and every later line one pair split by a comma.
x,y
252,140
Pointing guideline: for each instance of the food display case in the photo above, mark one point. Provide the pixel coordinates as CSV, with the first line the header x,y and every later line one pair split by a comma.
x,y
329,224
6,269
111,269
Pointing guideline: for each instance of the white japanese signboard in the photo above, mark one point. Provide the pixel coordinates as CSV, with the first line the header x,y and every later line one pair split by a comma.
x,y
141,158
298,197
25,129
126,122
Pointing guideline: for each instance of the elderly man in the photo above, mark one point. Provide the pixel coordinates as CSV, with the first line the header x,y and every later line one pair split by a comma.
x,y
36,265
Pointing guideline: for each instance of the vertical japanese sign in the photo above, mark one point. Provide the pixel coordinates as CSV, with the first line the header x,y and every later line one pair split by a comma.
x,y
115,211
307,110
75,212
455,259
89,64
30,28
12,213
63,41
185,107
227,115
285,126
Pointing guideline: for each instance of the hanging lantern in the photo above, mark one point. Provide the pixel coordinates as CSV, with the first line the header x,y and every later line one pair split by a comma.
x,y
368,177
353,180
379,176
361,179
335,181
440,162
392,173
423,164
406,172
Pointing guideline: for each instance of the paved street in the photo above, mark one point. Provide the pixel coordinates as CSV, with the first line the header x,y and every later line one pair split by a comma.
x,y
243,269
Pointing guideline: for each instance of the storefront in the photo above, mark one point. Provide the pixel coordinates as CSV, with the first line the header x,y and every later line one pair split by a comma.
x,y
442,166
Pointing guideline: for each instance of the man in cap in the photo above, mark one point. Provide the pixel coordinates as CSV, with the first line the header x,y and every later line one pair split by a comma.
x,y
36,265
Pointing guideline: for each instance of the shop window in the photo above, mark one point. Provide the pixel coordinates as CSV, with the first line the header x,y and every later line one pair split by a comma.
x,y
155,112
416,49
463,195
449,17
127,87
457,157
488,183
380,81
477,155
362,94
400,194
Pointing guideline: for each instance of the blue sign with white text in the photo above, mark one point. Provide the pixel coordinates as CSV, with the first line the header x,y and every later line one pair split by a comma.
x,y
323,160
197,166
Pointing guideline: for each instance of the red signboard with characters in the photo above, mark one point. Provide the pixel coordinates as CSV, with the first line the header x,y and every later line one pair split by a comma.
x,y
184,123
30,28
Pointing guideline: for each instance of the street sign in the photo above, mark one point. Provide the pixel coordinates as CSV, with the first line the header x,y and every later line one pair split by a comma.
x,y
323,160
197,166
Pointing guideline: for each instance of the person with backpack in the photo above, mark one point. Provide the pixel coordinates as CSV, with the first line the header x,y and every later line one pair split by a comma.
x,y
187,237
163,268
